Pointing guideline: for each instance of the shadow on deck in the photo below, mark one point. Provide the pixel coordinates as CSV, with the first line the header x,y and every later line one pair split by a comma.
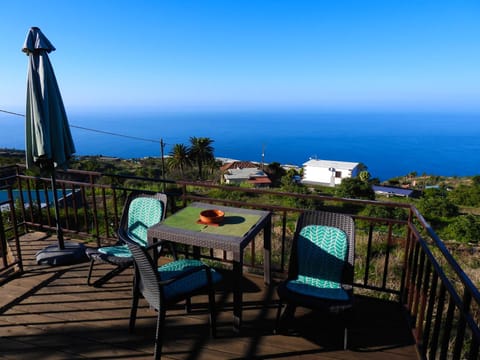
x,y
51,313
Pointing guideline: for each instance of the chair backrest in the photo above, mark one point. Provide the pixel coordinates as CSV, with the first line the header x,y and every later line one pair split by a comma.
x,y
323,248
146,273
140,212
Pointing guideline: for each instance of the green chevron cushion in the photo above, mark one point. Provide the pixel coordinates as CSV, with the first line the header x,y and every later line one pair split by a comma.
x,y
322,252
192,282
142,214
119,251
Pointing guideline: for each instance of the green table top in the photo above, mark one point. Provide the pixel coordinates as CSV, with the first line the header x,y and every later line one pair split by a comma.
x,y
234,224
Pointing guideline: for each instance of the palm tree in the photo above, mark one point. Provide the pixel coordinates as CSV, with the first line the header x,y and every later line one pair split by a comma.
x,y
364,176
200,151
178,158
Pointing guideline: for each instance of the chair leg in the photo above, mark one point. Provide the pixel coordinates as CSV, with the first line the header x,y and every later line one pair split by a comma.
x,y
117,270
159,334
133,310
188,305
287,316
92,261
277,321
173,251
345,338
211,305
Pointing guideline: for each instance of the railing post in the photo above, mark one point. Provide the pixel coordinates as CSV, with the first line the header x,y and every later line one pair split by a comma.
x,y
22,200
284,239
432,294
3,242
460,336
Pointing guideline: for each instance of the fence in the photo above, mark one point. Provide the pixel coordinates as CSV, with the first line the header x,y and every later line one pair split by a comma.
x,y
398,255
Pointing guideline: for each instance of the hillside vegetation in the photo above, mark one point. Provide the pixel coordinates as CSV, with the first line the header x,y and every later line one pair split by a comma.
x,y
450,204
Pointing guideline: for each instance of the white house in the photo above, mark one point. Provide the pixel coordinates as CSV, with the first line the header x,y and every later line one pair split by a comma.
x,y
328,172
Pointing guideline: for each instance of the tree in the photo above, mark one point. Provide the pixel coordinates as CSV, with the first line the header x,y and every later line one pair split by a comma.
x,y
213,166
465,195
362,167
465,229
476,180
275,172
435,204
354,188
201,152
178,158
364,176
288,184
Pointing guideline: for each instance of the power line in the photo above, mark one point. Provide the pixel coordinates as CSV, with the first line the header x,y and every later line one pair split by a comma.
x,y
11,113
115,134
95,130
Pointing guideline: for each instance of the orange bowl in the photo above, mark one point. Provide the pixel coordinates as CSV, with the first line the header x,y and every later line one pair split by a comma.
x,y
211,216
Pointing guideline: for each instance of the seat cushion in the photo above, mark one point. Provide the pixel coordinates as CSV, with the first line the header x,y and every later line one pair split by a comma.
x,y
337,293
115,255
118,250
322,252
190,283
331,300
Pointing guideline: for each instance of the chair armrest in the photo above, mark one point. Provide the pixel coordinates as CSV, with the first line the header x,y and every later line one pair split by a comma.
x,y
122,235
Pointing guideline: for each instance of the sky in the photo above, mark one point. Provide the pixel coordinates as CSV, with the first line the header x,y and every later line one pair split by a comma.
x,y
250,54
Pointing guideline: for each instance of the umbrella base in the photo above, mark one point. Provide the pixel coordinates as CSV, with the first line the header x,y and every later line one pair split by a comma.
x,y
73,253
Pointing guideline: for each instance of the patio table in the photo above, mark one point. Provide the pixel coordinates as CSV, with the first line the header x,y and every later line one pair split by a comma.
x,y
234,233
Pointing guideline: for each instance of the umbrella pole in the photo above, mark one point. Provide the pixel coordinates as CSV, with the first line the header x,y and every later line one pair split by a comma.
x,y
60,253
61,243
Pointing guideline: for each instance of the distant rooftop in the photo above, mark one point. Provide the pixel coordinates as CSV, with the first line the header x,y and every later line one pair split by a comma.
x,y
239,165
245,173
392,191
331,164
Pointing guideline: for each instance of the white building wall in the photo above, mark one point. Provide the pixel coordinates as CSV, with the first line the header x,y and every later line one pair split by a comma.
x,y
317,174
328,172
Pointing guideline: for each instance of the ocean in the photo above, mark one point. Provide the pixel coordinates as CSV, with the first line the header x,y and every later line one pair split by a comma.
x,y
389,144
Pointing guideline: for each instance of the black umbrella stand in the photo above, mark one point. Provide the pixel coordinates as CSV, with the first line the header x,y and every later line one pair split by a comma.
x,y
62,253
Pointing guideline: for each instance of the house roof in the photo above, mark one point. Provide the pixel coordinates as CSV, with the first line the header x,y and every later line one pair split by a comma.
x,y
239,165
390,190
244,174
260,180
331,164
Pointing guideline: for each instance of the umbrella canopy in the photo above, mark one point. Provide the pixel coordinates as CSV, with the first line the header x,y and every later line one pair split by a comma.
x,y
49,142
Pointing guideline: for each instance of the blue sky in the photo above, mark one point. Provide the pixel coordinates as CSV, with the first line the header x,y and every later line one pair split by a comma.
x,y
241,55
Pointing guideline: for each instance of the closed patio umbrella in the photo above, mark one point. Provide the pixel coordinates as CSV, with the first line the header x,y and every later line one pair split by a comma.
x,y
48,140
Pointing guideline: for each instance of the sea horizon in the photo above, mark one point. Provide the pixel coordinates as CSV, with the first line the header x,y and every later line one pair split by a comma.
x,y
389,144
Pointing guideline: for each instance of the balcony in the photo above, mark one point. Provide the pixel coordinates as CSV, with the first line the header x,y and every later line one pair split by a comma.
x,y
413,299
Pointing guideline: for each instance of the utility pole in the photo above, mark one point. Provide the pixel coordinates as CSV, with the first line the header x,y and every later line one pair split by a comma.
x,y
162,146
263,156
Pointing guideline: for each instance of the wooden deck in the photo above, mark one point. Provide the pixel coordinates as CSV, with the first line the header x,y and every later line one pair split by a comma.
x,y
50,313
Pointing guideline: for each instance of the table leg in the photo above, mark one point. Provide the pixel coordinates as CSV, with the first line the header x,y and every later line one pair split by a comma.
x,y
196,252
237,292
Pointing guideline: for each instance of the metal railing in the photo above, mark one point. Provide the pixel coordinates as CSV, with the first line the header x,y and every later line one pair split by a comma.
x,y
397,257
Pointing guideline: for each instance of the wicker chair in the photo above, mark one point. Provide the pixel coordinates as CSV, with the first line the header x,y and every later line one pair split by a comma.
x,y
168,284
321,268
141,210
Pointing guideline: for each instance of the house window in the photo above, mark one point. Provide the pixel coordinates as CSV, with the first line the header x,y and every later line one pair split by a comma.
x,y
338,174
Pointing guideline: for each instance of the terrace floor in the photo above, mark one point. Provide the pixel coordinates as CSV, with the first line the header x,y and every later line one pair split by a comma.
x,y
50,313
